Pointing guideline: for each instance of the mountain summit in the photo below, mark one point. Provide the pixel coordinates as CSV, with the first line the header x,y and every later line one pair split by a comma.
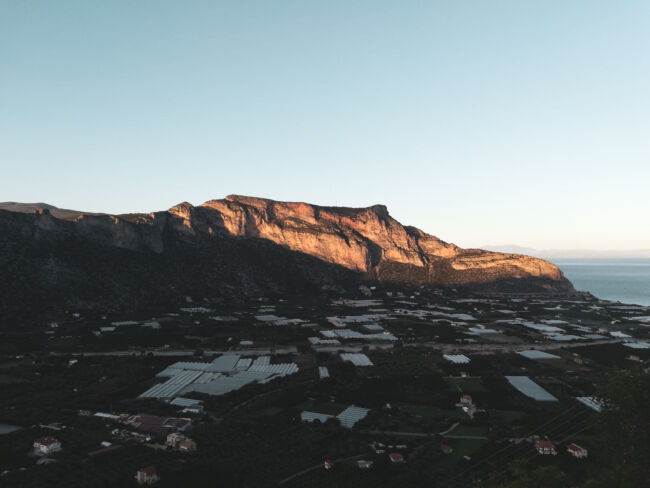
x,y
238,244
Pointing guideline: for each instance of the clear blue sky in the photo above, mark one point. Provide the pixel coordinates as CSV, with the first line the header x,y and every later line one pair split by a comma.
x,y
482,122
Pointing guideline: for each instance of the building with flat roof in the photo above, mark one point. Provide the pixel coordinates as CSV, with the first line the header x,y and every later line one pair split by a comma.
x,y
146,476
174,439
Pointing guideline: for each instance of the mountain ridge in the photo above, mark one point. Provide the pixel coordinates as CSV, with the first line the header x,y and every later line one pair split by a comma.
x,y
62,213
237,245
571,253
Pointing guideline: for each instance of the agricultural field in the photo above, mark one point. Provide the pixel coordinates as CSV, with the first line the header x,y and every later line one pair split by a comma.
x,y
249,372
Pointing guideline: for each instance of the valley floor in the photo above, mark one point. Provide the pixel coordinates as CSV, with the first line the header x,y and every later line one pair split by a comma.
x,y
399,387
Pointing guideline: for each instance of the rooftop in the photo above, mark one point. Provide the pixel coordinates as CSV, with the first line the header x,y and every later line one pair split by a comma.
x,y
46,441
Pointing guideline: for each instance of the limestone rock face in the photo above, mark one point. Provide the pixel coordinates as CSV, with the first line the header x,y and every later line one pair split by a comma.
x,y
365,239
358,239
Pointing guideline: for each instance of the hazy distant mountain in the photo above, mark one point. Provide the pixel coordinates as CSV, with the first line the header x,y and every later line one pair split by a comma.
x,y
571,253
238,245
59,213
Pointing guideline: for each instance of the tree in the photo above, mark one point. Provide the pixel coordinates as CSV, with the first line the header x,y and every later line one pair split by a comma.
x,y
520,475
624,424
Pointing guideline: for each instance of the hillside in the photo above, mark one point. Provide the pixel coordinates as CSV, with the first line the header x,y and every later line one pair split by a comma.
x,y
238,246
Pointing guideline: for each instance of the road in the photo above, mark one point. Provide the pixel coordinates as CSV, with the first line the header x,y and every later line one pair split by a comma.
x,y
505,348
241,352
425,434
444,348
512,347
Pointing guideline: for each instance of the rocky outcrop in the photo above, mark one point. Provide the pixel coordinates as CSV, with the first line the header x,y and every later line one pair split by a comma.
x,y
366,239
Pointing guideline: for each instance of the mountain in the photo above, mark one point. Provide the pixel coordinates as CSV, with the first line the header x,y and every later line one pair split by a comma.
x,y
572,253
237,246
61,213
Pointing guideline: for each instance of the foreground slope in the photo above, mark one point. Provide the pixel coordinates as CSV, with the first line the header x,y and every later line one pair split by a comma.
x,y
235,246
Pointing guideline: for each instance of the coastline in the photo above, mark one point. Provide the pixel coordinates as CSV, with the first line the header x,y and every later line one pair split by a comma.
x,y
622,280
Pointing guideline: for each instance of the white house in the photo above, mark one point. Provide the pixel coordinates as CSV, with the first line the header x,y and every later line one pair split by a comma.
x,y
466,400
577,451
46,445
545,447
147,476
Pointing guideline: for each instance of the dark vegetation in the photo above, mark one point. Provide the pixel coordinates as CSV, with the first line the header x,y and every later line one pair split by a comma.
x,y
70,272
253,436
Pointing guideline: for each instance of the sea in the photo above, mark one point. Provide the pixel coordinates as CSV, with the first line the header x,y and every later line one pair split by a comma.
x,y
623,280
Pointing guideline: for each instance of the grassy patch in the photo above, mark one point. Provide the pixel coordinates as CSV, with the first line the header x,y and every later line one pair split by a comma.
x,y
462,447
469,430
507,416
432,411
327,408
466,385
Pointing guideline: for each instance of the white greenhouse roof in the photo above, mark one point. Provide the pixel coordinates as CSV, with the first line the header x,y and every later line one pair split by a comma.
x,y
350,334
357,359
279,369
456,358
226,373
351,416
224,363
543,328
622,335
262,360
535,354
172,386
374,327
218,387
185,402
243,363
531,389
563,337
207,378
590,402
306,416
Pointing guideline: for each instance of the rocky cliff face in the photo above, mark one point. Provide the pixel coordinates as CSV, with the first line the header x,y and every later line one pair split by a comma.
x,y
359,239
366,240
240,243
